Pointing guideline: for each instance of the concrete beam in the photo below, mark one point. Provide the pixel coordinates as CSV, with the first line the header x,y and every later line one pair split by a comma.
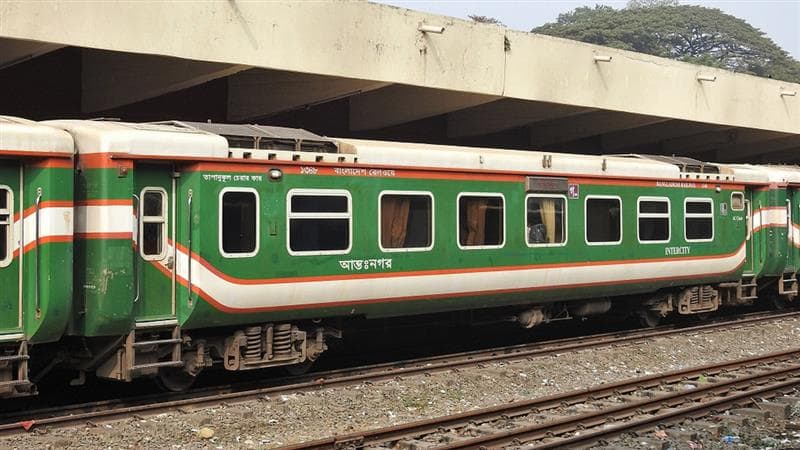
x,y
717,140
700,142
763,150
568,72
504,114
368,41
257,92
790,155
112,79
585,125
397,104
13,51
651,135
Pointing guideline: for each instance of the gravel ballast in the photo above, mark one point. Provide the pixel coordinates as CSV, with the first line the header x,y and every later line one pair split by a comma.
x,y
274,421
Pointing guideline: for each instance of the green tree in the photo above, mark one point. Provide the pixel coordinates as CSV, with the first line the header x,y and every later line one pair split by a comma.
x,y
694,34
651,3
485,19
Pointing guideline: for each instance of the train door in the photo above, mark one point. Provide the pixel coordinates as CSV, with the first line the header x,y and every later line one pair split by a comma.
x,y
793,206
749,265
154,288
10,265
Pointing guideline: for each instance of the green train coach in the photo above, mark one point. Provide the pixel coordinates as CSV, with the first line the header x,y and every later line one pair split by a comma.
x,y
247,246
36,233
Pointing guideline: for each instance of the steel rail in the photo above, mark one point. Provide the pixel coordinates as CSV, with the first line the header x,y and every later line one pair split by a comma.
x,y
786,378
429,426
113,409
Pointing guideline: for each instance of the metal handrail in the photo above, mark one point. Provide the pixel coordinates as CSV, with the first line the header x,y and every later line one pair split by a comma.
x,y
38,258
189,248
136,232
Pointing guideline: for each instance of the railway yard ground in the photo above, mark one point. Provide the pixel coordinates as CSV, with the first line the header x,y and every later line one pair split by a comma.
x,y
276,419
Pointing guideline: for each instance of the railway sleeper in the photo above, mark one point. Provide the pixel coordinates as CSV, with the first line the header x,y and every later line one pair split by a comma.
x,y
14,379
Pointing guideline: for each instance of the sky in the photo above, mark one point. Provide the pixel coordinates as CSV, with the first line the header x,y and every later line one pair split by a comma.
x,y
779,19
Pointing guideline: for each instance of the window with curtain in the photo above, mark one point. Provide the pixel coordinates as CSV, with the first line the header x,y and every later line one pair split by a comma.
x,y
603,220
699,219
545,220
406,221
653,218
737,201
481,220
6,220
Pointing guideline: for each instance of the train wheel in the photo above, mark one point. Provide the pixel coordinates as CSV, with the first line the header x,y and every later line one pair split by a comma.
x,y
296,370
649,319
171,379
779,302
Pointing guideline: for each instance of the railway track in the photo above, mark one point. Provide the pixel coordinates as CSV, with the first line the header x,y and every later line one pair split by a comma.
x,y
610,410
17,422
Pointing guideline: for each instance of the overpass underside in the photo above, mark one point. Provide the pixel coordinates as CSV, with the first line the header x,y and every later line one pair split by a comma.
x,y
363,70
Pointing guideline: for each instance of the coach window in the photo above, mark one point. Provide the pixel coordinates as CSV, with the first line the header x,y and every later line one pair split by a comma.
x,y
546,222
406,221
238,222
6,220
481,220
654,219
737,201
319,221
153,224
699,219
603,220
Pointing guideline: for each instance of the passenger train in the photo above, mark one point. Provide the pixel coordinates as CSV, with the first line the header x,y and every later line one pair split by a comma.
x,y
134,250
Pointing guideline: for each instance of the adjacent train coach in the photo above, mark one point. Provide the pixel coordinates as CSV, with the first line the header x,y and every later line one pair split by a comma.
x,y
248,247
35,244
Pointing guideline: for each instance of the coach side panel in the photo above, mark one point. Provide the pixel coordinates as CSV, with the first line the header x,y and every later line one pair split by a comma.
x,y
314,242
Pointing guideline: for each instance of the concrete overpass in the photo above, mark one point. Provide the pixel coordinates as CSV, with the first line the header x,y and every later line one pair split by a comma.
x,y
368,70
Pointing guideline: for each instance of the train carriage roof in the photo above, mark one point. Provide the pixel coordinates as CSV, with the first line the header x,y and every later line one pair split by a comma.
x,y
235,142
782,173
763,174
20,136
441,156
142,139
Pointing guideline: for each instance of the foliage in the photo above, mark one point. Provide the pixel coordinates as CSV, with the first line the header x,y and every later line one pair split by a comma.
x,y
688,33
485,19
651,3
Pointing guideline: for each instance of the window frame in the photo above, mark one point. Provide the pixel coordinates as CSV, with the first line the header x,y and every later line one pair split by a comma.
x,y
164,221
5,262
433,221
458,222
699,216
323,193
740,193
667,215
565,220
586,218
258,222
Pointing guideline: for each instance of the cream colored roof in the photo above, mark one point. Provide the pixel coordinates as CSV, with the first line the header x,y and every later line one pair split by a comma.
x,y
782,174
769,173
142,139
468,158
20,135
